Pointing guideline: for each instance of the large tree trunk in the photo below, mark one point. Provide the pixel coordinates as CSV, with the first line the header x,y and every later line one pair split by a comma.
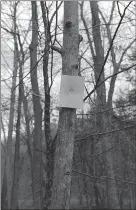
x,y
9,163
16,173
25,102
66,133
25,106
49,153
24,98
45,73
37,147
26,111
102,120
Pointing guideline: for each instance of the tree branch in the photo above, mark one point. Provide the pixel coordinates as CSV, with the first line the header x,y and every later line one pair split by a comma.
x,y
105,60
96,86
119,9
57,49
104,177
104,133
55,12
91,155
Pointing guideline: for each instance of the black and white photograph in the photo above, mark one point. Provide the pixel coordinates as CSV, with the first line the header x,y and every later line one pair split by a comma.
x,y
68,105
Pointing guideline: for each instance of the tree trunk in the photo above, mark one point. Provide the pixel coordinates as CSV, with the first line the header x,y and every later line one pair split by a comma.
x,y
49,153
9,163
99,55
4,189
45,73
25,106
102,120
16,173
37,147
67,116
3,174
113,57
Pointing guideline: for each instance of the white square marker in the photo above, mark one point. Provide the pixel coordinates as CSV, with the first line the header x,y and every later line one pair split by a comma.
x,y
71,92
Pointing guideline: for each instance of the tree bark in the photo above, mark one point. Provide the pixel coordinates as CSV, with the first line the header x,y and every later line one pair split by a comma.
x,y
9,164
25,106
102,120
37,147
49,152
16,173
67,116
45,73
4,189
99,55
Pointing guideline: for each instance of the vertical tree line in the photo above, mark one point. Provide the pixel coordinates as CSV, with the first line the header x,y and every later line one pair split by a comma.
x,y
90,161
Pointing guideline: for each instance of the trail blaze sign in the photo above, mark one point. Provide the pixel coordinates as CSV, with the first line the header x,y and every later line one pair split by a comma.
x,y
71,92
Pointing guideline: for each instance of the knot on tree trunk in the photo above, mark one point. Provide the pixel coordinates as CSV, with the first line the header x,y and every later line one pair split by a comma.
x,y
68,24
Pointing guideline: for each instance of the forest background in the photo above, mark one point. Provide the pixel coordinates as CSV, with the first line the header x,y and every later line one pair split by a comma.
x,y
103,165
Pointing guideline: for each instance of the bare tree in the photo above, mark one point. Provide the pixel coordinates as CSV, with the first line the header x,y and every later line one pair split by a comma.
x,y
11,115
98,59
47,88
16,172
65,140
116,65
47,101
37,144
4,181
104,159
21,62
